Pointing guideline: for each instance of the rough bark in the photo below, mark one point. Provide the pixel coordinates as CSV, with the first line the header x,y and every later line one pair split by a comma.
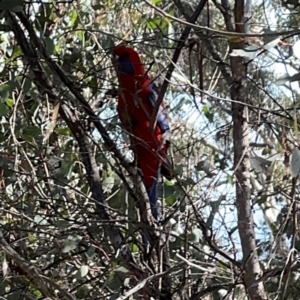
x,y
238,92
241,166
237,81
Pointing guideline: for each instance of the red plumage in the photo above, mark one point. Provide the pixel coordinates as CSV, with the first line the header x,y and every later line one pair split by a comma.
x,y
135,107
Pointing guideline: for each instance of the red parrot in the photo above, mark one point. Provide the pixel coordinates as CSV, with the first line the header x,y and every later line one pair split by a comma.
x,y
135,106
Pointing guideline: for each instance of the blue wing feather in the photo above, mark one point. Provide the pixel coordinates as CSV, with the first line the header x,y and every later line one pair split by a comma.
x,y
162,120
152,194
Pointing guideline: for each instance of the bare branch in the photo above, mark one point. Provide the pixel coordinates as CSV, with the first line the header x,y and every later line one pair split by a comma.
x,y
176,55
32,273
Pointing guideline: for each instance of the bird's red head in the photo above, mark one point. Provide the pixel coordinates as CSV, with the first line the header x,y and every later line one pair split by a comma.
x,y
129,61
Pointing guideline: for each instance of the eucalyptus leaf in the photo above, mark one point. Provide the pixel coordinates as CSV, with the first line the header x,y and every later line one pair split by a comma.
x,y
4,90
82,272
196,235
121,269
9,102
2,63
271,44
49,45
156,2
40,220
62,224
63,131
170,200
91,251
296,49
295,162
108,184
71,243
246,53
30,133
4,109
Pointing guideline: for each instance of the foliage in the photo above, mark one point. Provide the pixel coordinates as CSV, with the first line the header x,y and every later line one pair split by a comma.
x,y
57,239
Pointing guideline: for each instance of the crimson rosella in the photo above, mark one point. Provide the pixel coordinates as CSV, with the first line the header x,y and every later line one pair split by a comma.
x,y
135,106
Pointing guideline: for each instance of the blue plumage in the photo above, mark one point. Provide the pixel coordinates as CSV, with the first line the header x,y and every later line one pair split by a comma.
x,y
125,66
162,120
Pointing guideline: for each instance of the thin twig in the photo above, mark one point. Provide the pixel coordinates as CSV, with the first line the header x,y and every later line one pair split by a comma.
x,y
175,58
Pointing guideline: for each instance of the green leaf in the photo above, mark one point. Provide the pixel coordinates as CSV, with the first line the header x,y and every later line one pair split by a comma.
x,y
2,64
71,243
295,162
11,5
16,52
49,45
27,85
230,179
9,102
63,131
134,248
80,36
4,109
36,292
121,269
170,200
199,166
4,90
40,220
31,238
169,183
3,138
62,224
249,52
72,58
266,151
74,19
9,190
107,43
82,272
91,251
66,169
157,23
156,2
30,132
208,113
196,235
108,184
93,84
271,44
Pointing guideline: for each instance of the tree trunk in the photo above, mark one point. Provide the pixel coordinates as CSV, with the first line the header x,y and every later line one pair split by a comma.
x,y
242,164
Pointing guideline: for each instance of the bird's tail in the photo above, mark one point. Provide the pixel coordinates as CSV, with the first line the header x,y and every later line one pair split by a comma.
x,y
152,194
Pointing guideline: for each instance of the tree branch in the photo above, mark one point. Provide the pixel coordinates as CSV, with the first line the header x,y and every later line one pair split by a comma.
x,y
139,192
209,46
176,55
46,85
32,273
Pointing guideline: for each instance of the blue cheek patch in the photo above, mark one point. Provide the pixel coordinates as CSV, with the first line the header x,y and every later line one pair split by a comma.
x,y
125,66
